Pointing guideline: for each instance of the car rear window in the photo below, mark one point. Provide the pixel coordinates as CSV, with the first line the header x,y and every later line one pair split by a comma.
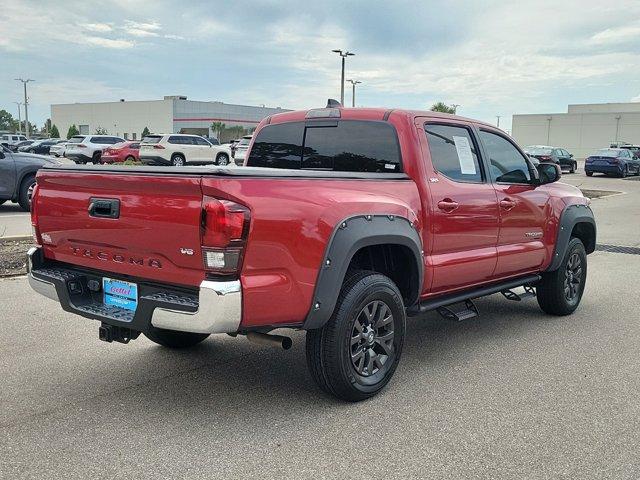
x,y
607,153
76,139
341,146
538,151
152,139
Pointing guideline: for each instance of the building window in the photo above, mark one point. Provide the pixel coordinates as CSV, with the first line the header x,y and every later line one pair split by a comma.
x,y
126,136
84,129
134,137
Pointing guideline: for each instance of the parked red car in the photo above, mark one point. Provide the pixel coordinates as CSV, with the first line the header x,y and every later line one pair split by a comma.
x,y
343,222
121,152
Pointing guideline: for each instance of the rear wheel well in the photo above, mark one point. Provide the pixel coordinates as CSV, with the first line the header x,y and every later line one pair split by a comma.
x,y
177,154
587,235
395,261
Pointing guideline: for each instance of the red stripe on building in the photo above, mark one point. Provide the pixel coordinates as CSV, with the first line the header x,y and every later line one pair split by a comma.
x,y
214,120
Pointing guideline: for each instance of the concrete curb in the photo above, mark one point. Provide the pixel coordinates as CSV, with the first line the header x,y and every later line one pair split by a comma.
x,y
15,238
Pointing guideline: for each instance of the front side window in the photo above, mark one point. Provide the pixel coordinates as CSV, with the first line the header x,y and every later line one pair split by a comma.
x,y
200,141
506,163
453,152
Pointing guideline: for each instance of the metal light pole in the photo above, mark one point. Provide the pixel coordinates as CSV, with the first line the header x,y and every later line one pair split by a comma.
x,y
19,118
26,103
498,117
618,117
353,91
344,55
549,129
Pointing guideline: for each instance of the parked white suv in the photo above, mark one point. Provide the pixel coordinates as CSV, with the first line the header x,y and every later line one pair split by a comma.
x,y
179,149
8,140
241,150
88,148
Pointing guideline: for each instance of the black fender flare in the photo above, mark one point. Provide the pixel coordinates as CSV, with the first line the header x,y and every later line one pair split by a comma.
x,y
570,217
349,236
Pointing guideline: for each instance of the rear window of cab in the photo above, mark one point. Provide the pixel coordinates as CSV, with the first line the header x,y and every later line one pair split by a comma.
x,y
334,145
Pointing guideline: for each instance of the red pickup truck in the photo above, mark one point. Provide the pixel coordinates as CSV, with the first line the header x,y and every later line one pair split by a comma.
x,y
342,222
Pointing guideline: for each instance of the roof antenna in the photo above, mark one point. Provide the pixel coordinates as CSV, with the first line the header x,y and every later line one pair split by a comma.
x,y
331,103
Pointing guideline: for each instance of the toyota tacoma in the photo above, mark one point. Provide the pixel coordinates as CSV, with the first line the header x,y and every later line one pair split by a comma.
x,y
343,223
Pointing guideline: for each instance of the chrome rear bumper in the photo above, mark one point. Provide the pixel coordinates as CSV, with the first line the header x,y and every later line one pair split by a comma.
x,y
217,309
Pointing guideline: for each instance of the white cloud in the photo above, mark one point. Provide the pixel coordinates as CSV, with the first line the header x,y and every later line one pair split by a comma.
x,y
617,35
109,42
98,27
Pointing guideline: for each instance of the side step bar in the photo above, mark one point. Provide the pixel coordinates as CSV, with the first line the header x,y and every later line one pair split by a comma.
x,y
445,300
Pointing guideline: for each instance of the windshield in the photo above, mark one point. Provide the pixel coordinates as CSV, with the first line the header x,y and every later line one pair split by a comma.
x,y
538,151
605,152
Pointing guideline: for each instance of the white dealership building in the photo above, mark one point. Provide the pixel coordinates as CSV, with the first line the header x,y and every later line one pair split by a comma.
x,y
172,114
583,129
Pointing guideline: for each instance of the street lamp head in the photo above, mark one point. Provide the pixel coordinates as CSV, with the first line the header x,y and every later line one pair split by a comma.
x,y
349,54
337,51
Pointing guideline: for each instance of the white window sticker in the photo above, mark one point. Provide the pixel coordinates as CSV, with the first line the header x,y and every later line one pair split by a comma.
x,y
465,157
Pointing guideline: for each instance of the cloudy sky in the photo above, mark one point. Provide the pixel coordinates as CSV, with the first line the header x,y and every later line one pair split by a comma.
x,y
491,57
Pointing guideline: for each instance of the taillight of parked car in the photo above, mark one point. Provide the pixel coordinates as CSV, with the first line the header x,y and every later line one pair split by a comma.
x,y
158,147
544,158
224,232
35,230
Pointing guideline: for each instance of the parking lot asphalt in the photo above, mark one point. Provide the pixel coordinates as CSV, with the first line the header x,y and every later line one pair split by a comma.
x,y
511,394
13,220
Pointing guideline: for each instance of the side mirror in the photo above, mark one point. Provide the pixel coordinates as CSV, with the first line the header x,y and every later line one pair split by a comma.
x,y
571,155
548,172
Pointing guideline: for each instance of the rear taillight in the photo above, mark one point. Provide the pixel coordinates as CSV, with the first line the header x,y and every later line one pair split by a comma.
x,y
35,231
158,147
80,145
225,228
544,157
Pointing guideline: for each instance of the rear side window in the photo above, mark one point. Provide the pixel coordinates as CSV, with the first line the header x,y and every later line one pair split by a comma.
x,y
200,141
342,146
453,152
179,140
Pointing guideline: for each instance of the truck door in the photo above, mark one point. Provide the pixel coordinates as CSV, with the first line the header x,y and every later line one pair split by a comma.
x,y
522,206
463,205
7,174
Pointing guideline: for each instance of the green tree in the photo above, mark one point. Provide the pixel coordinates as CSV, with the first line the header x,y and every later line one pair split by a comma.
x,y
54,132
145,132
101,131
73,130
218,127
6,121
442,107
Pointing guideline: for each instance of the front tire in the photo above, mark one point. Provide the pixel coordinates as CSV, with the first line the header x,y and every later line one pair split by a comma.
x,y
573,168
173,338
26,191
356,353
560,292
589,174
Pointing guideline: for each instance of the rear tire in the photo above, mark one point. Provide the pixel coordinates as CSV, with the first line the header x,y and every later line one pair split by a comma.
x,y
589,174
560,292
625,172
573,168
130,158
222,159
26,190
96,158
173,338
177,161
356,353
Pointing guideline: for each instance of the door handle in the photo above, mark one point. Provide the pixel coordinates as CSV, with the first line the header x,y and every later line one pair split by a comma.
x,y
507,204
448,205
104,207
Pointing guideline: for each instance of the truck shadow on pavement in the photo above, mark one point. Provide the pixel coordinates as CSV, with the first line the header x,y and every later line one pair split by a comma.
x,y
227,378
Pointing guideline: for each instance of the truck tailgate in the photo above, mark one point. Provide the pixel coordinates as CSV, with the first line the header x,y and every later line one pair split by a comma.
x,y
155,236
